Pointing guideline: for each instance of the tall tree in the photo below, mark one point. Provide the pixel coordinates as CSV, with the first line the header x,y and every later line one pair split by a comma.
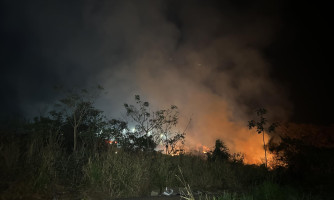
x,y
169,119
155,126
77,107
260,126
145,122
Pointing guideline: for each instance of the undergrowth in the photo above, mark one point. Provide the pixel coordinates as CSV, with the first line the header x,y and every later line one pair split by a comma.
x,y
40,167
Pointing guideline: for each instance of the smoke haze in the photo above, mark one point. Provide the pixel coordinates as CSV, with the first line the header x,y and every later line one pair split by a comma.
x,y
205,57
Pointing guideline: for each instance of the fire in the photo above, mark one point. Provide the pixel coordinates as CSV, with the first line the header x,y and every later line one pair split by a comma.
x,y
111,142
205,149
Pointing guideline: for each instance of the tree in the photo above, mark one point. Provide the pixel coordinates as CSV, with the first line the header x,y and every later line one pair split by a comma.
x,y
220,152
305,151
261,127
116,129
77,109
145,123
173,141
155,126
169,119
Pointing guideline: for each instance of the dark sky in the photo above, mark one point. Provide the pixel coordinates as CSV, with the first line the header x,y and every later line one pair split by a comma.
x,y
216,60
300,57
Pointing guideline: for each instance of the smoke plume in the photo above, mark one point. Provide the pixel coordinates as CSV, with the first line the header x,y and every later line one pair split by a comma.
x,y
205,57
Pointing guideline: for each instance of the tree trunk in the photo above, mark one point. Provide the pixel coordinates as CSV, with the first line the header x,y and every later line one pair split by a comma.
x,y
265,150
75,130
148,144
166,145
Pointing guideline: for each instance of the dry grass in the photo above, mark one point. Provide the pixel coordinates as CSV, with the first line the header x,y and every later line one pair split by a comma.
x,y
42,165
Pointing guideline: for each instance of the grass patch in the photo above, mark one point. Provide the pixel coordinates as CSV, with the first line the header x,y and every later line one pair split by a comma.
x,y
39,166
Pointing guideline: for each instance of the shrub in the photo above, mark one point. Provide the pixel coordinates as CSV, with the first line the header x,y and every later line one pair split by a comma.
x,y
118,173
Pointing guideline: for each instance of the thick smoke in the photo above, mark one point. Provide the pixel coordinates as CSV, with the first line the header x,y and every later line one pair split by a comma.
x,y
211,66
204,57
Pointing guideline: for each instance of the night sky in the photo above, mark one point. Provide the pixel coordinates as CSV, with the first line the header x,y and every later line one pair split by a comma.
x,y
216,60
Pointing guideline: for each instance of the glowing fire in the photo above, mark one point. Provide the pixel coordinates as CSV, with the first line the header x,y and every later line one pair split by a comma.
x,y
111,142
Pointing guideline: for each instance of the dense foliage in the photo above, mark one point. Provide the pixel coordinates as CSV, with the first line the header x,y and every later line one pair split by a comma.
x,y
38,160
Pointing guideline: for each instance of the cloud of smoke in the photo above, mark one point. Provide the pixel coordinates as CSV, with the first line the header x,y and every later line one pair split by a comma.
x,y
212,68
207,59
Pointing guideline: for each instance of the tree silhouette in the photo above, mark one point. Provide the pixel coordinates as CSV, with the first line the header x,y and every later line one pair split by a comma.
x,y
220,152
145,122
306,151
155,126
261,127
77,109
169,119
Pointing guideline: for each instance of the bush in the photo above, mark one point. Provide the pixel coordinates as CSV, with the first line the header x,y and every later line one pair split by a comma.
x,y
118,173
271,191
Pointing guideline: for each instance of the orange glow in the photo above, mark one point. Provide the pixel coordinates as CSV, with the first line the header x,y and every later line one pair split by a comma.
x,y
236,135
111,142
214,115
